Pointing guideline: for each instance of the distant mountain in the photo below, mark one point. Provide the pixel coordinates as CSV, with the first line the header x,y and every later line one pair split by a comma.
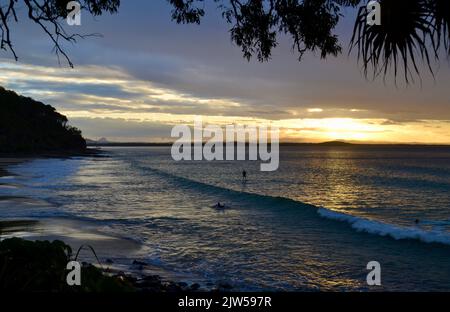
x,y
335,143
105,142
96,142
28,126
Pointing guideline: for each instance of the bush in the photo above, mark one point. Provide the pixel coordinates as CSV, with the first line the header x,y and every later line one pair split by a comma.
x,y
41,267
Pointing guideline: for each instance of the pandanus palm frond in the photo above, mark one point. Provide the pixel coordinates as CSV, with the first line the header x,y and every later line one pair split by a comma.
x,y
406,33
441,13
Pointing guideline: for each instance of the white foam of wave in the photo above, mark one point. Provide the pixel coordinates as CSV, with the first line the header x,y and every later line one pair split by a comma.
x,y
384,229
44,171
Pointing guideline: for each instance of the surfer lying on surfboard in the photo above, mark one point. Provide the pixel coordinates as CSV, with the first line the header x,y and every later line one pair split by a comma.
x,y
219,206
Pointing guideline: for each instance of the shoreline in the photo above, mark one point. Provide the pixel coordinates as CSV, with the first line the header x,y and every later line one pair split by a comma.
x,y
92,251
285,143
17,157
141,275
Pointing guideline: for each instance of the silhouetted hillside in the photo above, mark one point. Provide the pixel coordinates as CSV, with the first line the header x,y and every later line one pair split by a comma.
x,y
28,126
335,143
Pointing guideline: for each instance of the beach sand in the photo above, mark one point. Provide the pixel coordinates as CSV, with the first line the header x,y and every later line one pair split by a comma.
x,y
116,254
73,233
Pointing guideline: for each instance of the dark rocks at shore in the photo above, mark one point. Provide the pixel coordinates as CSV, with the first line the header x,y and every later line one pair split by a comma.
x,y
48,260
136,262
152,281
138,265
223,287
195,287
148,283
154,284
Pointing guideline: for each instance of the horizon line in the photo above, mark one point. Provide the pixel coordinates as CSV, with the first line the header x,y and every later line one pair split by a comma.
x,y
325,143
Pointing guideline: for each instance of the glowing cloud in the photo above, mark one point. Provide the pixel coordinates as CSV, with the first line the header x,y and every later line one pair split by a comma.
x,y
109,93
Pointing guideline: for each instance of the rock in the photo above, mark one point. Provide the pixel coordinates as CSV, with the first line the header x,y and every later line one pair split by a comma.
x,y
131,279
195,287
172,287
151,281
224,287
136,262
138,265
152,278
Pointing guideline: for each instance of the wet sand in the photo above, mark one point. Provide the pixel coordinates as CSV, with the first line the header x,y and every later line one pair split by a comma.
x,y
10,227
115,253
73,233
4,162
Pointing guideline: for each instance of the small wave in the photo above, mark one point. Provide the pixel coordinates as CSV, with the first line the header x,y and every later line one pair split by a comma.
x,y
436,222
358,223
259,200
383,229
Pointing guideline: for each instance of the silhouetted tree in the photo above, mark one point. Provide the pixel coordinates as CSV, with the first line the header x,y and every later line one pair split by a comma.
x,y
30,126
49,16
256,24
410,30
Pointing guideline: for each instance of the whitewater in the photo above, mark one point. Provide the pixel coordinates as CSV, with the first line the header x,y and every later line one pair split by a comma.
x,y
312,225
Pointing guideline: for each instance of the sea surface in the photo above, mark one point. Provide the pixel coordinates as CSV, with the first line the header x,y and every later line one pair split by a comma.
x,y
314,224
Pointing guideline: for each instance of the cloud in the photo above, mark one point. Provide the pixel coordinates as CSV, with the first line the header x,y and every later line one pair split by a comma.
x,y
315,110
108,102
121,130
147,70
143,44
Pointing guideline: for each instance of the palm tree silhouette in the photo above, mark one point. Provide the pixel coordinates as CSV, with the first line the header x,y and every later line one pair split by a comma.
x,y
410,30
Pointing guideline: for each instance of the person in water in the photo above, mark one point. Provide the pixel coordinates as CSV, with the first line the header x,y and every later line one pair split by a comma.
x,y
417,221
219,205
244,176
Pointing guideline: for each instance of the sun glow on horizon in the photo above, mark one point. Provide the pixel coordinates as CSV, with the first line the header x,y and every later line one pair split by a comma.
x,y
96,94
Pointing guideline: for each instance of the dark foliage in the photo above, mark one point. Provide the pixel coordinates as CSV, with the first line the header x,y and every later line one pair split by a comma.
x,y
255,24
49,15
41,267
29,126
32,266
410,30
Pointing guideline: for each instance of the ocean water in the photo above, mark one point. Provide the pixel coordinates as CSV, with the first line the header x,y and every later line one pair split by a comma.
x,y
314,224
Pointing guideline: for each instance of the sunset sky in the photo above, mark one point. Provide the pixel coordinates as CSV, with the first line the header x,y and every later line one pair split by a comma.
x,y
147,74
